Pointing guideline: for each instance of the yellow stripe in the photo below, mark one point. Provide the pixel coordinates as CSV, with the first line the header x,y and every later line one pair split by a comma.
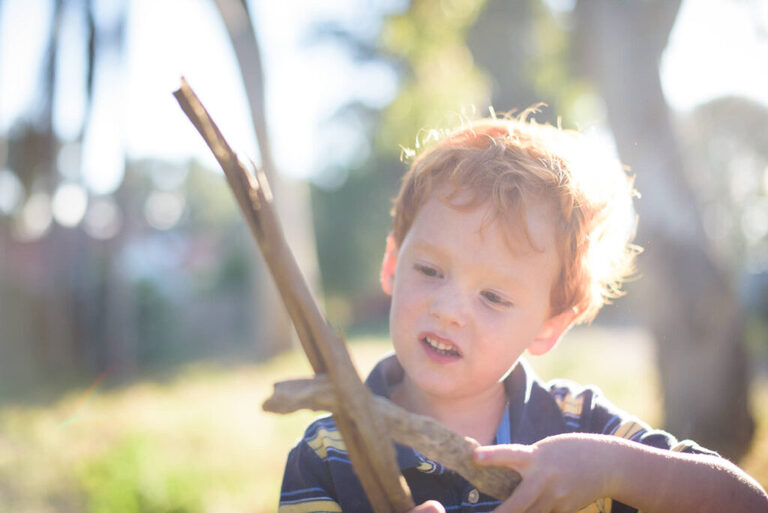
x,y
601,506
325,439
310,507
426,466
571,405
628,429
682,446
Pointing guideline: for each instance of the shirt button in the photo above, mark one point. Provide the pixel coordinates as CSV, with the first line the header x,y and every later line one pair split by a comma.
x,y
474,495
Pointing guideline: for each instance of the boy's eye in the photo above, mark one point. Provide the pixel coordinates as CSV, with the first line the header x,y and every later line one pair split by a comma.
x,y
427,270
494,298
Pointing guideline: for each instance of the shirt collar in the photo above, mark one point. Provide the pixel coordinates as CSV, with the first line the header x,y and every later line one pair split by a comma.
x,y
533,414
388,373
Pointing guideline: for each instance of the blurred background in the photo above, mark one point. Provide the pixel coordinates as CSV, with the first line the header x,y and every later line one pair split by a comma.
x,y
139,332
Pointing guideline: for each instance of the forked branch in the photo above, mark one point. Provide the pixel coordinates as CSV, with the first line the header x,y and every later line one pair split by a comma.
x,y
424,434
370,450
356,411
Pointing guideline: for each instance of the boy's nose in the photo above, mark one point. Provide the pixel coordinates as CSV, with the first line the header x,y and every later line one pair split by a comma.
x,y
450,307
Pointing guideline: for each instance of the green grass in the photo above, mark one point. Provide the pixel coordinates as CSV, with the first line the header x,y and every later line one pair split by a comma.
x,y
199,442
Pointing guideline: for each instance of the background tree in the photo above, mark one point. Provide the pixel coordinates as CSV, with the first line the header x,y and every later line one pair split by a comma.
x,y
690,305
74,303
47,306
726,146
272,328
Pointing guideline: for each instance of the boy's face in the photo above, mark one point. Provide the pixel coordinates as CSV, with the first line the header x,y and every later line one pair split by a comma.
x,y
465,305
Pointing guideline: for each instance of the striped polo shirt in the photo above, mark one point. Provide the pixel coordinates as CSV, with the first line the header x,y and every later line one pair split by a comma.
x,y
319,476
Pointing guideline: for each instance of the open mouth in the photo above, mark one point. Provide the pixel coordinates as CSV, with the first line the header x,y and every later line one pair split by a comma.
x,y
440,347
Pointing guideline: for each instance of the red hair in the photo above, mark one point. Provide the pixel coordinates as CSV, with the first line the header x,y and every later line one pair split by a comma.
x,y
506,162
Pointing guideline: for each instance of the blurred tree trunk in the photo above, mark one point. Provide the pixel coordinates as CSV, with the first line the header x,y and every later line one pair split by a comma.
x,y
500,42
58,327
271,322
688,300
59,330
113,338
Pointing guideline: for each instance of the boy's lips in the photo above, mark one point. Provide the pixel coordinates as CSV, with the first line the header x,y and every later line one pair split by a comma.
x,y
440,345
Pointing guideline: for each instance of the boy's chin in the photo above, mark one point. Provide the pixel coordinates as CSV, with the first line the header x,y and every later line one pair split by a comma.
x,y
446,388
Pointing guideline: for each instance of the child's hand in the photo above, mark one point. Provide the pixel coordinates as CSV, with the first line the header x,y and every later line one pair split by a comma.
x,y
429,507
562,473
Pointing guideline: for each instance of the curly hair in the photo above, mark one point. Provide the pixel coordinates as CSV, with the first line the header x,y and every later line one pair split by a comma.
x,y
508,162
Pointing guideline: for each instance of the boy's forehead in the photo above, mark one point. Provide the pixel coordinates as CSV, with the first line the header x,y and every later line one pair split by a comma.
x,y
473,237
527,227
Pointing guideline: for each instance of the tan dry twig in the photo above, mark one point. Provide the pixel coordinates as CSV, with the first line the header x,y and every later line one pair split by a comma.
x,y
355,410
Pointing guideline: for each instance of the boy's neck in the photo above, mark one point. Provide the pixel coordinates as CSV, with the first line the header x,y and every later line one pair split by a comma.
x,y
475,416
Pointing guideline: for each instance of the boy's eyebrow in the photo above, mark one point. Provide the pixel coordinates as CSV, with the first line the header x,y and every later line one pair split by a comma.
x,y
428,247
497,275
506,280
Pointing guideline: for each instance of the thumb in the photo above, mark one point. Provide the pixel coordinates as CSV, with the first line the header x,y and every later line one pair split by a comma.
x,y
514,456
429,507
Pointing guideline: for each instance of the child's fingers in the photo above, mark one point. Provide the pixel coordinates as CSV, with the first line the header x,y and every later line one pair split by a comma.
x,y
526,498
515,456
429,507
542,505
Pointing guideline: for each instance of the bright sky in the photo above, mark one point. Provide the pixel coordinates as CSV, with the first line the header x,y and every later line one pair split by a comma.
x,y
716,48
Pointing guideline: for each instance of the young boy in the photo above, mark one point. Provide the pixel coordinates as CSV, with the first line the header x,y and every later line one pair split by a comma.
x,y
506,234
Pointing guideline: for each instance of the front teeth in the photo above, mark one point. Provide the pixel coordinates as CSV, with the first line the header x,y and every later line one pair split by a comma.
x,y
440,347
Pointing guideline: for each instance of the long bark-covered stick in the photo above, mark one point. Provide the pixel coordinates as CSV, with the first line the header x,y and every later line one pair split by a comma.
x,y
369,448
424,434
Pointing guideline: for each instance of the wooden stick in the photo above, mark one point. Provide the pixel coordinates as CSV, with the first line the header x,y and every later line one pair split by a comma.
x,y
369,448
338,387
424,434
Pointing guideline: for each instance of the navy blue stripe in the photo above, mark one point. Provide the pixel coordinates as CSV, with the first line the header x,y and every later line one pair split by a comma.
x,y
611,425
305,490
491,504
504,431
339,459
309,499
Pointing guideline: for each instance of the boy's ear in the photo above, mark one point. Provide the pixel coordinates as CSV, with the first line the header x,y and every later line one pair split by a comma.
x,y
388,265
551,331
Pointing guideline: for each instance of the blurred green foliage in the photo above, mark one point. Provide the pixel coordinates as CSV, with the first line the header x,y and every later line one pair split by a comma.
x,y
157,322
351,225
440,76
138,476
